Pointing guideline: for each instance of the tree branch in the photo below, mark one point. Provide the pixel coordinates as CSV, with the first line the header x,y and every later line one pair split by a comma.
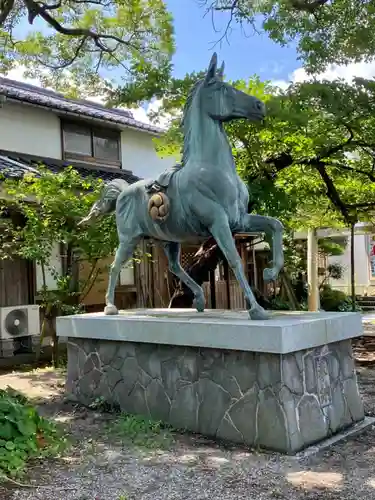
x,y
284,160
94,2
332,192
38,10
370,175
362,205
339,147
70,61
306,6
234,6
5,8
46,6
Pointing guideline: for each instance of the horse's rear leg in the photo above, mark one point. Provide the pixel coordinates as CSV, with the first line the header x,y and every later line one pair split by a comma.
x,y
220,230
123,254
172,251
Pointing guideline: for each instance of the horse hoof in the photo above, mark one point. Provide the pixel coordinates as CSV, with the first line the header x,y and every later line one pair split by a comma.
x,y
110,310
199,304
258,313
269,274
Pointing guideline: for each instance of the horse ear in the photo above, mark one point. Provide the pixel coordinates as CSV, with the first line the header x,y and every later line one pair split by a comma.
x,y
221,71
211,72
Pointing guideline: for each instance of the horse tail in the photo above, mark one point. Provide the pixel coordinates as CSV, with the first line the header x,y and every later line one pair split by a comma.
x,y
107,201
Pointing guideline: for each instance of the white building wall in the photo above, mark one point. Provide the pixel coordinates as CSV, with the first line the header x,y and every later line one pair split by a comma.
x,y
54,266
362,273
139,155
29,130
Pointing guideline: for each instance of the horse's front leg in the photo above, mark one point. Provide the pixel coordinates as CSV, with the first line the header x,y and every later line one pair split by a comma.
x,y
123,254
274,229
222,233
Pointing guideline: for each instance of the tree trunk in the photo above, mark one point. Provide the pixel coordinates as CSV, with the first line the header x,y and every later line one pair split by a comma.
x,y
290,293
205,261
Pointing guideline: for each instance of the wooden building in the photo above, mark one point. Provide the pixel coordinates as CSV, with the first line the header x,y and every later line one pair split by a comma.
x,y
154,284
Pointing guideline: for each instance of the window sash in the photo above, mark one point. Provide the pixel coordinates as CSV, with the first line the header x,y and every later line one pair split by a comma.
x,y
98,145
76,136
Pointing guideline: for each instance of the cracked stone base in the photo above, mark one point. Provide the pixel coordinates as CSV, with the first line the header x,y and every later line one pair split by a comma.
x,y
281,402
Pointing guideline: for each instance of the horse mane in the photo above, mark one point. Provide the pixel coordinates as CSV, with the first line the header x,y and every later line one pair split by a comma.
x,y
186,120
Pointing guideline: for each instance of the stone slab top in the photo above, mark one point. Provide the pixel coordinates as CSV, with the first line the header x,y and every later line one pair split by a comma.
x,y
233,330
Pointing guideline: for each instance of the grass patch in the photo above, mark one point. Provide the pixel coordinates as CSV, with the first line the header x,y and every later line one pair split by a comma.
x,y
142,432
24,434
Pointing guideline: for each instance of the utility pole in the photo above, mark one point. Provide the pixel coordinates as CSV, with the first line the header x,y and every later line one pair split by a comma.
x,y
352,266
312,270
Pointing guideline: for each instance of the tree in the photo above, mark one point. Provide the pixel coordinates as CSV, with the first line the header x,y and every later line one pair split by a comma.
x,y
50,205
311,163
75,45
325,32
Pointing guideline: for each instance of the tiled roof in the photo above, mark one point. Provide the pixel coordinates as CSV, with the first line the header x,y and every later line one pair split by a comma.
x,y
42,97
17,164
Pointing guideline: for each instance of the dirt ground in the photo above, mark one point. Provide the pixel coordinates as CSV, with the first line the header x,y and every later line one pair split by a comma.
x,y
100,467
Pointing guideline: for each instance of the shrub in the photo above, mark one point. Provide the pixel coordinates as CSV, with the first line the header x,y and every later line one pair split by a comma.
x,y
278,304
335,300
24,434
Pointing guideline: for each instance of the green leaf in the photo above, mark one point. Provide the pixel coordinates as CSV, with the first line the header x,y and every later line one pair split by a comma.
x,y
26,427
10,445
6,430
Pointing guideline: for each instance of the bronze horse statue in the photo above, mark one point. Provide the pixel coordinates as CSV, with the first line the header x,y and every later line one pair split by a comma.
x,y
202,197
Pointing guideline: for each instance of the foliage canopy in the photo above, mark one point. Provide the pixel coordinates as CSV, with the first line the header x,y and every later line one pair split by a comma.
x,y
325,31
73,44
39,211
313,159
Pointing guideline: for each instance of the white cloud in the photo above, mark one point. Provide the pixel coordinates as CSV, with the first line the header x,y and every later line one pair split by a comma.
x,y
143,114
17,74
333,72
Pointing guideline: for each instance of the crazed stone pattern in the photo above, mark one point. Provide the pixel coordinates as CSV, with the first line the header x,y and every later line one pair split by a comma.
x,y
282,402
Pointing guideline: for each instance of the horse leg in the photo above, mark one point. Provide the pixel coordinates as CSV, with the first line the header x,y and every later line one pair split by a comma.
x,y
220,230
172,251
123,254
274,229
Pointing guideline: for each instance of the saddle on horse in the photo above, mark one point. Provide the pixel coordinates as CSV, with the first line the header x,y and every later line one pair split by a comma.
x,y
161,183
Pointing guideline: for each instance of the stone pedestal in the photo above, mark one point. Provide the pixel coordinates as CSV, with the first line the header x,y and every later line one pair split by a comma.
x,y
281,384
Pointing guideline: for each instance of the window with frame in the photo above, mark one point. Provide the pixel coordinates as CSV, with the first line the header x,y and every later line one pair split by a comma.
x,y
89,144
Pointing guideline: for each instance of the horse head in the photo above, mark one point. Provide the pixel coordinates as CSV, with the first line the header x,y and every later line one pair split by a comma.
x,y
222,102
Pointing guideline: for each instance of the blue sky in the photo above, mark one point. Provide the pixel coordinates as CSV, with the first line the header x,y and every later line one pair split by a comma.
x,y
244,55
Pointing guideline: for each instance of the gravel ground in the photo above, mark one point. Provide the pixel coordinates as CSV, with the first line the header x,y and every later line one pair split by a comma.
x,y
100,467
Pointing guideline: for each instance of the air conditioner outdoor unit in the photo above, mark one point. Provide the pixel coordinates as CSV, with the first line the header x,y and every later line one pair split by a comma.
x,y
19,321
